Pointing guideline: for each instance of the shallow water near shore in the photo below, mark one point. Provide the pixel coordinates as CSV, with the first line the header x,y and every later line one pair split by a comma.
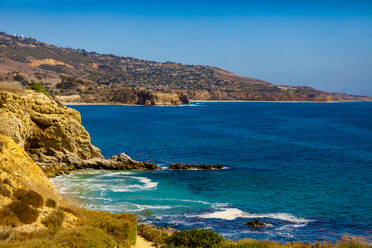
x,y
302,168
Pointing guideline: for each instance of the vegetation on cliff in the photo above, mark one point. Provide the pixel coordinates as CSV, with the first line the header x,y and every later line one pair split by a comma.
x,y
32,214
108,78
205,238
38,87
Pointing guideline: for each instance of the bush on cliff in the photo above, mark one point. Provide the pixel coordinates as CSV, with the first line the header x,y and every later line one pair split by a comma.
x,y
194,238
38,87
29,197
54,219
24,212
50,203
121,227
153,234
85,237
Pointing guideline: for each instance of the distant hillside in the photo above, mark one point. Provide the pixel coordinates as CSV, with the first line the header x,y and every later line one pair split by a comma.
x,y
75,75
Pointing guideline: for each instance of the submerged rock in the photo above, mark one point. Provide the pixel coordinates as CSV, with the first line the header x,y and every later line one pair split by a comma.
x,y
195,166
255,224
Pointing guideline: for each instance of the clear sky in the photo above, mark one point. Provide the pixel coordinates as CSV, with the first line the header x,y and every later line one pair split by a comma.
x,y
323,44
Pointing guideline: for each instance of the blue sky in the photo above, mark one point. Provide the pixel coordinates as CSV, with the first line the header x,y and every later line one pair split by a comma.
x,y
323,44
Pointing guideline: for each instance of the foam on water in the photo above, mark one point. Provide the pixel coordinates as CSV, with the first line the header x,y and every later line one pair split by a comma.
x,y
234,213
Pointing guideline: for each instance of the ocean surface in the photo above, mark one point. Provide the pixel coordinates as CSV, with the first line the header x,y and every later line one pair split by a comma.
x,y
305,169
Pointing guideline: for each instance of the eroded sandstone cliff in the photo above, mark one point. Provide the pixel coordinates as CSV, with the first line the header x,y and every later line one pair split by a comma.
x,y
52,134
32,214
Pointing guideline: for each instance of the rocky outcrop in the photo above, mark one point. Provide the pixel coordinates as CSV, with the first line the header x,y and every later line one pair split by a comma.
x,y
18,170
149,98
195,167
255,224
27,198
52,134
32,214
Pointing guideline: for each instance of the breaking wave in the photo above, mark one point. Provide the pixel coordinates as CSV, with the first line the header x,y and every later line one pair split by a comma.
x,y
234,213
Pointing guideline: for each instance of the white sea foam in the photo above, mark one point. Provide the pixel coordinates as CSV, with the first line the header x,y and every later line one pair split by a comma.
x,y
234,213
147,184
115,174
147,181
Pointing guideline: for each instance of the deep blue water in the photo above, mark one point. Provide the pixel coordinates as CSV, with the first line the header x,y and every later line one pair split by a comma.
x,y
305,169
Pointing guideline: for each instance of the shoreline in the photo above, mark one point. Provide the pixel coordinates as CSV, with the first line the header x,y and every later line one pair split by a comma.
x,y
201,101
258,101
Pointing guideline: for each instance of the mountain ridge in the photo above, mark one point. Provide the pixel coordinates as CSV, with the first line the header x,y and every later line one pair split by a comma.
x,y
105,78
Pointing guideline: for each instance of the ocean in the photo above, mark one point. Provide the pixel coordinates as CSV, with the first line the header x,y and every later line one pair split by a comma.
x,y
304,169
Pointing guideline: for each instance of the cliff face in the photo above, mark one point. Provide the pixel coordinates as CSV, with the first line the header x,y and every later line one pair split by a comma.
x,y
52,134
149,98
32,214
18,170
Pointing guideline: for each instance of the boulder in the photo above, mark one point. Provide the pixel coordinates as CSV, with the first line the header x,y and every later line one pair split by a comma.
x,y
255,224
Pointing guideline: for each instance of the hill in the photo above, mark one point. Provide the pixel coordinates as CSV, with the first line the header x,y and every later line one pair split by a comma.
x,y
75,75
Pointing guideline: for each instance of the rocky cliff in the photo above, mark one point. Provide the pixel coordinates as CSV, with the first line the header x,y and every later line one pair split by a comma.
x,y
149,98
32,214
52,134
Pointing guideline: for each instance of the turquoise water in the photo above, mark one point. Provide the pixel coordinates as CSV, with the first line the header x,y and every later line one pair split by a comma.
x,y
303,168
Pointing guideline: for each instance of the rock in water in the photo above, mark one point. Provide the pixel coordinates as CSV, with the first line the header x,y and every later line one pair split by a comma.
x,y
255,224
195,166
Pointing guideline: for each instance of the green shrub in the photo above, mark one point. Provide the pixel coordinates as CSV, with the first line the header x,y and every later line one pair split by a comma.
x,y
24,212
50,203
153,234
38,87
85,237
29,197
194,238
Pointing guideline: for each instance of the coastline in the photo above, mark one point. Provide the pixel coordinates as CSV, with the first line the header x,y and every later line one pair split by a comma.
x,y
200,101
253,101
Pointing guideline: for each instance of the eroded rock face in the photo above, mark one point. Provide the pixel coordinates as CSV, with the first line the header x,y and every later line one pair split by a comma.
x,y
161,98
52,134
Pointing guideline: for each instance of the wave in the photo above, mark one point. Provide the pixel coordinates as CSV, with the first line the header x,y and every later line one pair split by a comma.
x,y
149,184
127,207
189,105
234,213
115,174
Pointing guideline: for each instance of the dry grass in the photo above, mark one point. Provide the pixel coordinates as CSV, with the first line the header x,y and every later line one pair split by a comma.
x,y
96,229
345,242
14,87
3,144
207,238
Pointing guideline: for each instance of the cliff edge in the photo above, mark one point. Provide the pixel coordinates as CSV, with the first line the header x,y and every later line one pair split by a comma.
x,y
52,134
